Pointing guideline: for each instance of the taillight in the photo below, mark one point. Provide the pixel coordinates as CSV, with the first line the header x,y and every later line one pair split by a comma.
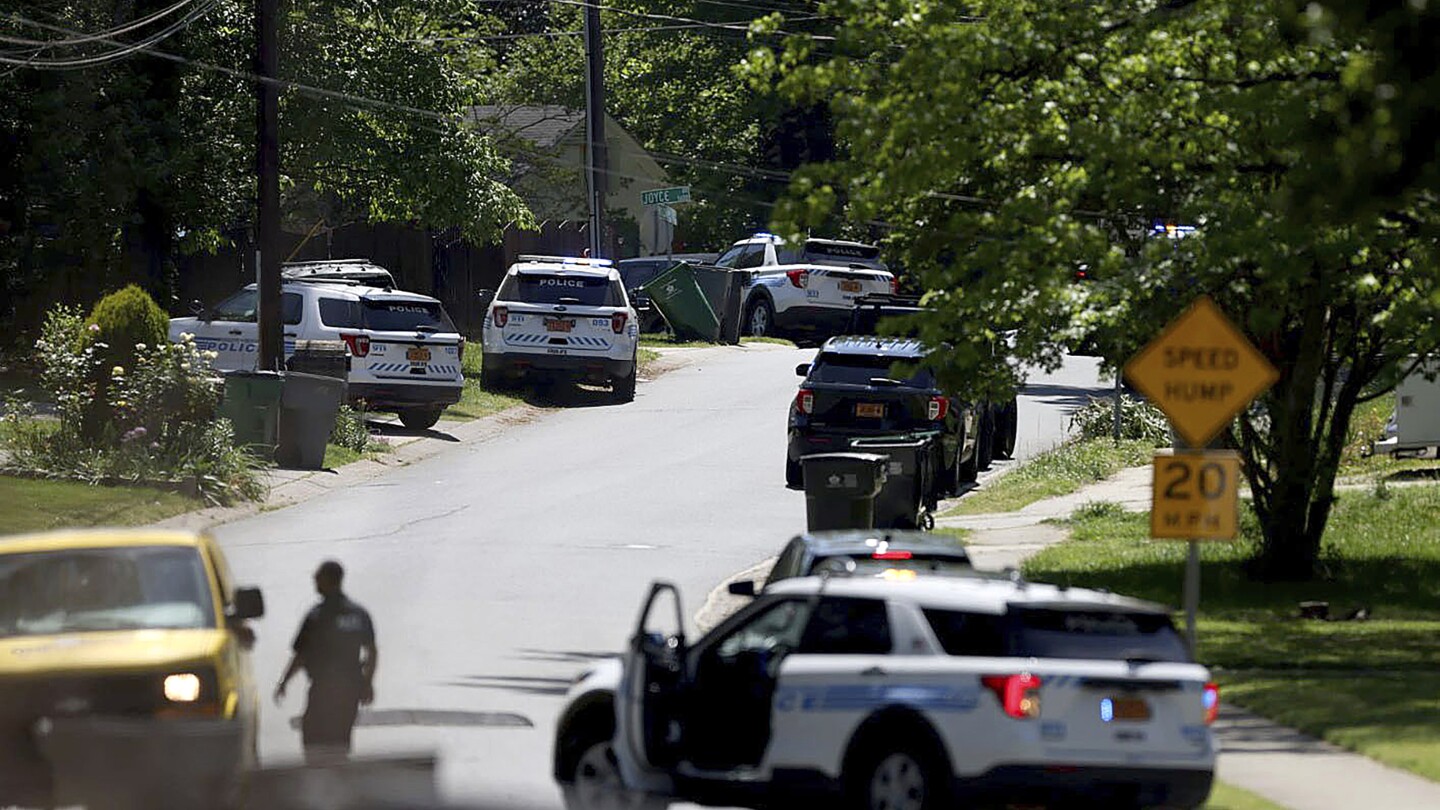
x,y
805,400
799,278
1019,694
894,286
1211,702
617,322
359,344
938,408
501,316
892,555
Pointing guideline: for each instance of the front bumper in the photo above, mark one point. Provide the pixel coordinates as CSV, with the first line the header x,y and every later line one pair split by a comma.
x,y
515,364
387,395
1090,786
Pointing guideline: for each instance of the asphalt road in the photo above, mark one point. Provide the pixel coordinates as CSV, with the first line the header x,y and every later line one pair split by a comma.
x,y
494,571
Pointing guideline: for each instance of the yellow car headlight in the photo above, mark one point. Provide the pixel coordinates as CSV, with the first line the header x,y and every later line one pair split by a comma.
x,y
182,687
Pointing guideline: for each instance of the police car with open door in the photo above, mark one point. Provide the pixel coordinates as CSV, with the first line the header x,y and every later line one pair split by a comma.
x,y
805,291
560,317
896,691
405,352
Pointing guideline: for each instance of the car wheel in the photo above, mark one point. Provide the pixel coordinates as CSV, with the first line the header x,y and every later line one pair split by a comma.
x,y
624,387
1007,431
794,475
489,378
760,318
985,444
420,418
965,471
898,776
598,785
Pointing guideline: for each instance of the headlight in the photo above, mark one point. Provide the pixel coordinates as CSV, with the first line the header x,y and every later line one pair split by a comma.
x,y
182,688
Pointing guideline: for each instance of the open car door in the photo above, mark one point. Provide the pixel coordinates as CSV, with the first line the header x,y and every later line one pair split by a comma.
x,y
654,683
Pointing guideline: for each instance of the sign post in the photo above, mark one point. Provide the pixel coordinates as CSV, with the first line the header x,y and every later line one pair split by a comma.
x,y
1201,371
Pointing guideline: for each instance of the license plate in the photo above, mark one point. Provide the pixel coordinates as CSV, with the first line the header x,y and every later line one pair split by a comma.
x,y
850,286
418,354
559,325
870,410
1130,709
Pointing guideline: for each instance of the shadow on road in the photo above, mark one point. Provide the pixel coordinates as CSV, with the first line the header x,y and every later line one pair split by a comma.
x,y
395,429
517,683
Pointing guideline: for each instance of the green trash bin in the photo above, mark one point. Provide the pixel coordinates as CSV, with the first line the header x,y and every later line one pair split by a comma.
x,y
252,404
307,417
907,497
840,489
677,295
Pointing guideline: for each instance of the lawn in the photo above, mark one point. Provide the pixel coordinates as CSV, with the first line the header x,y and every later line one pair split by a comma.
x,y
475,401
1371,686
667,340
30,505
1060,471
1226,797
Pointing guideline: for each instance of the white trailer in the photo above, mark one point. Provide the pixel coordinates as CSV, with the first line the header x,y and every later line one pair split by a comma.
x,y
1414,427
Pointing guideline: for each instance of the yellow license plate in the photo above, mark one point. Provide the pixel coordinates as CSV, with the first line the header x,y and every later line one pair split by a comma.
x,y
850,286
870,410
1130,708
418,354
559,325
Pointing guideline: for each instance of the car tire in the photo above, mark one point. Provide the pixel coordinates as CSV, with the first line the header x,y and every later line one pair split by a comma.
x,y
760,317
898,774
985,445
1008,429
794,475
490,380
420,418
624,387
966,472
597,784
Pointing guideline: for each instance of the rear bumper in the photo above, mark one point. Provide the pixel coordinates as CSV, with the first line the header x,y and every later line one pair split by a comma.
x,y
514,364
826,320
386,395
1092,786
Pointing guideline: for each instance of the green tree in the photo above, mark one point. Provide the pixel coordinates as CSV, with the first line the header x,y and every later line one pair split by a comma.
x,y
1006,142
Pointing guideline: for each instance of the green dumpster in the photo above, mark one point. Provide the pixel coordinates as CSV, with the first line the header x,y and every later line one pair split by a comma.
x,y
677,295
840,489
252,404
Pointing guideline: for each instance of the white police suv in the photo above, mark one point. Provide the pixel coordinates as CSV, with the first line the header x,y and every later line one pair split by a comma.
x,y
405,353
898,691
558,317
806,291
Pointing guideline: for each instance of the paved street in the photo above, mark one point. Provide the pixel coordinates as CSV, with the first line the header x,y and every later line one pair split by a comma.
x,y
495,570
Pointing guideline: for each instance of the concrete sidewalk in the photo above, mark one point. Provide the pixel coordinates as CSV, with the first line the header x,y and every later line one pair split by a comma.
x,y
1282,765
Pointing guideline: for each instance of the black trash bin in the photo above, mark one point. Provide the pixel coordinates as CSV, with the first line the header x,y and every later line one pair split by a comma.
x,y
840,489
907,497
308,404
328,358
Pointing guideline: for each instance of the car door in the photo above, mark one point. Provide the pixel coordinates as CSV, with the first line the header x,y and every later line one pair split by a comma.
x,y
231,330
653,679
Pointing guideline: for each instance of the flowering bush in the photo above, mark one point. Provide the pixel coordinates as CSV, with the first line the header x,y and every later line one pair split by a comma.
x,y
154,422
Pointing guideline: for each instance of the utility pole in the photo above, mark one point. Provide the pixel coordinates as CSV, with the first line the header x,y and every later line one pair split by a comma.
x,y
595,126
267,175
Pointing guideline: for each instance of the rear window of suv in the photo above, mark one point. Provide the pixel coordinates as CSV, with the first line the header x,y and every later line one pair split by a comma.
x,y
406,316
537,288
1096,635
858,369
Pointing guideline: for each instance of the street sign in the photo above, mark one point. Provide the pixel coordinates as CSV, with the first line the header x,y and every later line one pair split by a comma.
x,y
1196,495
1200,371
668,214
664,196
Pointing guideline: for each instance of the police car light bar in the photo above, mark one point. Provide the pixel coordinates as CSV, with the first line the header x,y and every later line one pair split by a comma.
x,y
528,257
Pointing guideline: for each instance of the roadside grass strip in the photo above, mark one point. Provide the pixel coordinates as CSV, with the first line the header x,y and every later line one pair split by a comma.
x,y
34,505
1371,685
1228,797
475,401
1060,471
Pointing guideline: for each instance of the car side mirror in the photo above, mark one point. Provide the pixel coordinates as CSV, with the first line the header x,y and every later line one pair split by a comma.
x,y
802,370
198,309
743,588
248,604
485,296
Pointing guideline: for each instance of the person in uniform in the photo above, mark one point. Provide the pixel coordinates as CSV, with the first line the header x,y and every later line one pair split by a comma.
x,y
336,647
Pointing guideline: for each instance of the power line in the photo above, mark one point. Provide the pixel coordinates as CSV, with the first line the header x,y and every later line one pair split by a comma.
x,y
703,23
124,49
96,37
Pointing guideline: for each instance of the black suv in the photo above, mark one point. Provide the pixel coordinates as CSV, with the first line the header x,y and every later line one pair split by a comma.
x,y
849,393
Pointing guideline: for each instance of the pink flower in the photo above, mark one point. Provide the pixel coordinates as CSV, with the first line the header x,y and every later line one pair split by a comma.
x,y
94,327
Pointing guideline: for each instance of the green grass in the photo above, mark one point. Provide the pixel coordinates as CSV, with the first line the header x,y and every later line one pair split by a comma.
x,y
667,340
1372,686
776,340
475,401
31,505
961,535
1228,797
1060,471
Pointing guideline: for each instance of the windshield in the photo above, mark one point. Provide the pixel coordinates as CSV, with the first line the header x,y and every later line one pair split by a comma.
x,y
537,288
128,588
1097,634
407,316
919,563
859,369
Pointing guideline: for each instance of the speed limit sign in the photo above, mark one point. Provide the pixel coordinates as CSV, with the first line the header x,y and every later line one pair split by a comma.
x,y
1196,495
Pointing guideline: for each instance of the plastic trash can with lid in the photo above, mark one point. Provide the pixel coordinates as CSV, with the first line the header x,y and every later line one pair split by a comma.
x,y
907,497
307,416
840,489
677,295
328,358
251,402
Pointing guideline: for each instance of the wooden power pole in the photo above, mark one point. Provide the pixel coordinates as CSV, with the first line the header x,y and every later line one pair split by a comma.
x,y
267,175
595,127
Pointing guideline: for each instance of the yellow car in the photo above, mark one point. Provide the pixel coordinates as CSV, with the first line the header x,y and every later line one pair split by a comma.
x,y
124,668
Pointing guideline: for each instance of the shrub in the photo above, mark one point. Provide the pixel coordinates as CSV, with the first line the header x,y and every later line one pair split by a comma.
x,y
351,431
127,318
1139,420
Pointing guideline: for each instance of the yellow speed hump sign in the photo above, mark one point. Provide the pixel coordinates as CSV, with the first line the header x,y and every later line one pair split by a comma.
x,y
1196,495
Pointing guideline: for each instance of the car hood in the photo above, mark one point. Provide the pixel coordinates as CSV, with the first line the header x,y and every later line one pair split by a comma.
x,y
112,651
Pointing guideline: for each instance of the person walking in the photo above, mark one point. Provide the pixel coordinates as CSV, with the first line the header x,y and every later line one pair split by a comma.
x,y
336,647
